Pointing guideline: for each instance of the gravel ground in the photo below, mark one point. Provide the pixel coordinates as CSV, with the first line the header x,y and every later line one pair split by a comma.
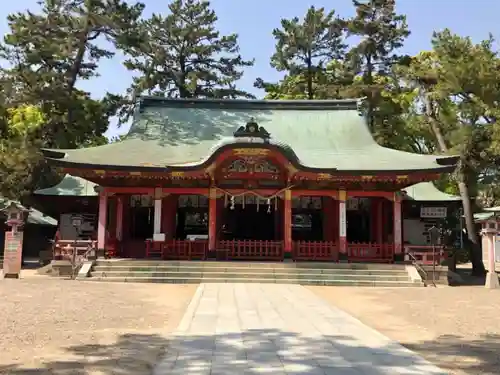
x,y
51,326
456,328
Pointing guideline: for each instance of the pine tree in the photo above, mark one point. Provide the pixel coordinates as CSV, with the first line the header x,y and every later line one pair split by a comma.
x,y
185,55
51,51
43,58
303,50
381,32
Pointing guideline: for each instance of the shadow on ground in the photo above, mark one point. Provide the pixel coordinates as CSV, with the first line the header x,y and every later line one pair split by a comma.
x,y
133,355
468,279
480,356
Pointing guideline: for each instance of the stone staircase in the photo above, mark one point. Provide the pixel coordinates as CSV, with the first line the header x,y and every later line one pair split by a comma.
x,y
338,274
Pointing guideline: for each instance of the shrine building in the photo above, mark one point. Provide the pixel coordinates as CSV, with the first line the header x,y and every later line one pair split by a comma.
x,y
249,180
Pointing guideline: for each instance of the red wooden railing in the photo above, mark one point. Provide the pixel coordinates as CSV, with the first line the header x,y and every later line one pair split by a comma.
x,y
178,249
186,249
370,252
425,254
250,250
315,250
154,249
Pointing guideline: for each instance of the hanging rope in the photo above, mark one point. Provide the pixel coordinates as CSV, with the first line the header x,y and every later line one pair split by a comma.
x,y
263,197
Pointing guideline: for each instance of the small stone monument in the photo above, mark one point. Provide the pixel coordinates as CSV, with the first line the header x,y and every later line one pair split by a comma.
x,y
13,249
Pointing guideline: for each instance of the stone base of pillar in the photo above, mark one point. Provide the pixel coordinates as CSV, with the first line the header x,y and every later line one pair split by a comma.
x,y
100,253
399,258
343,258
492,281
11,276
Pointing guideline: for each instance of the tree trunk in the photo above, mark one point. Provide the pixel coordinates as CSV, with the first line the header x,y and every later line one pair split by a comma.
x,y
368,80
80,54
310,93
429,111
72,74
475,251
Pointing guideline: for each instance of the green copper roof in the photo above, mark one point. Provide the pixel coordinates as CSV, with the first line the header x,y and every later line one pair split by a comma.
x,y
34,216
426,191
492,209
481,216
181,134
70,186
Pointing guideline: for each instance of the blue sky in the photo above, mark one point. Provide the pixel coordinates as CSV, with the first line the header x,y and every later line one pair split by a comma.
x,y
254,20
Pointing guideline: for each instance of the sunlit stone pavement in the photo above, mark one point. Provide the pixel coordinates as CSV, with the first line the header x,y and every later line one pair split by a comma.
x,y
279,329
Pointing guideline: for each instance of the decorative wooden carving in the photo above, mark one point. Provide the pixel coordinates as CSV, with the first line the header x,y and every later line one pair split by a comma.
x,y
238,166
252,165
252,129
265,167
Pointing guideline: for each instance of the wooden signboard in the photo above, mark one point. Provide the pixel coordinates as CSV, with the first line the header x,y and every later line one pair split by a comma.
x,y
12,254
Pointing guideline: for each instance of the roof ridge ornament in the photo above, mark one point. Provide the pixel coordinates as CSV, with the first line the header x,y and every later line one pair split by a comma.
x,y
252,129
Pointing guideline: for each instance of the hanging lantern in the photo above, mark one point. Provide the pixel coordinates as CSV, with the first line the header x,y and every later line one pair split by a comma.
x,y
232,202
268,206
257,202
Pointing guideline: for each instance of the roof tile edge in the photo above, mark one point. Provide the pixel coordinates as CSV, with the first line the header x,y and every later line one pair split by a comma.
x,y
338,104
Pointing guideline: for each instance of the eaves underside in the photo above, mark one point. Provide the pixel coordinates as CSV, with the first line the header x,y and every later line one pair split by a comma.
x,y
333,171
437,165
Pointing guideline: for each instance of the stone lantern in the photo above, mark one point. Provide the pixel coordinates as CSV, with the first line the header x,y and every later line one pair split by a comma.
x,y
13,249
489,232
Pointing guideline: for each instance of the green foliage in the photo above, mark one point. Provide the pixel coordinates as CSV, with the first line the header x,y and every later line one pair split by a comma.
x,y
303,50
184,55
50,51
380,32
18,149
45,55
440,101
458,83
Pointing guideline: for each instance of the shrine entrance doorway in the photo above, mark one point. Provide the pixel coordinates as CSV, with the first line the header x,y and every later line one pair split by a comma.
x,y
248,222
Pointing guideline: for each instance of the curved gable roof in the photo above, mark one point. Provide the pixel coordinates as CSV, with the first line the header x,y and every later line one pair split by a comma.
x,y
178,133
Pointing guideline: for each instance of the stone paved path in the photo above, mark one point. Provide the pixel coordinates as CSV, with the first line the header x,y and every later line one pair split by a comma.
x,y
233,329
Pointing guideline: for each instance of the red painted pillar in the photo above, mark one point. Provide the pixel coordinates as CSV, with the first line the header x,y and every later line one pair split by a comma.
x,y
119,217
381,221
168,215
278,222
398,233
374,223
111,218
287,222
342,222
101,226
329,226
335,221
212,220
126,217
221,220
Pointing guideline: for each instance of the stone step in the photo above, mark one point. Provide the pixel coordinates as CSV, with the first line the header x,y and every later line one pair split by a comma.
x,y
327,282
244,264
249,275
268,270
